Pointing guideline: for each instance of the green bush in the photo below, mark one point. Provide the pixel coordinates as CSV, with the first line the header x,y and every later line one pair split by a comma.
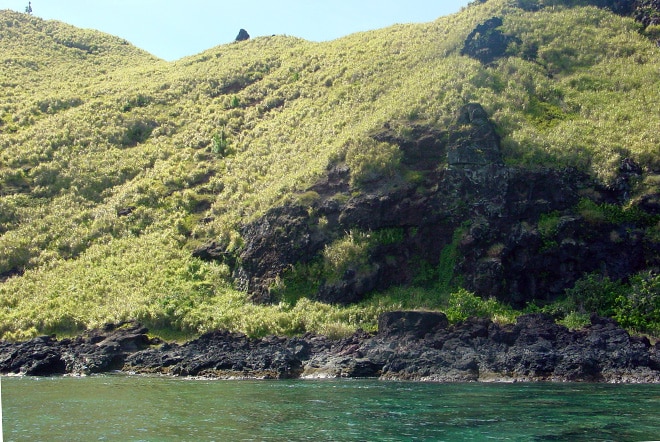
x,y
446,277
614,214
575,320
348,252
595,293
638,308
635,305
136,133
464,304
220,143
548,224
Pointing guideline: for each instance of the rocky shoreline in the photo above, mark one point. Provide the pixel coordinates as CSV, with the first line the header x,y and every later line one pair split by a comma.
x,y
410,345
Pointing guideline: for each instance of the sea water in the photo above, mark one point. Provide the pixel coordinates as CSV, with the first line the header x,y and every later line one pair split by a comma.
x,y
136,408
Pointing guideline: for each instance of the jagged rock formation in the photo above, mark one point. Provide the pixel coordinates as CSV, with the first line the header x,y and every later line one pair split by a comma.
x,y
96,351
467,201
473,141
242,35
486,43
408,346
647,12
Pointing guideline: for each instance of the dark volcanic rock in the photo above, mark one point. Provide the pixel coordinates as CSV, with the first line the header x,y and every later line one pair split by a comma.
x,y
410,323
423,148
103,350
37,357
486,43
242,35
97,351
409,345
213,251
279,239
646,12
428,213
223,354
473,141
535,348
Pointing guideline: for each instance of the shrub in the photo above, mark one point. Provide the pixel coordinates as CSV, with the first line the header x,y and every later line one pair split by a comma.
x,y
638,308
635,306
595,293
219,143
464,304
548,224
308,198
575,320
347,253
614,214
446,278
136,133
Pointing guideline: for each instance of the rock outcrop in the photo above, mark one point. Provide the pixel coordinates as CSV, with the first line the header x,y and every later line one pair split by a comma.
x,y
486,42
511,233
242,35
409,345
96,351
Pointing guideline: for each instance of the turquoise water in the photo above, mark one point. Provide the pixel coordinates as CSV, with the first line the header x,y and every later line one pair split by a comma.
x,y
132,408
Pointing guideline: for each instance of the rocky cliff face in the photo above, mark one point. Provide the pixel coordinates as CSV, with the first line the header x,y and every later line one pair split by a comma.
x,y
511,233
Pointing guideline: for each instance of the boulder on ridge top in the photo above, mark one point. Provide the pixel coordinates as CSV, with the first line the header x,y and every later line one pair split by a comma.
x,y
242,35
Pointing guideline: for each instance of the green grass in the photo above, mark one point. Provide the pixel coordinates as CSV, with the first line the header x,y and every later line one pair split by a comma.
x,y
90,125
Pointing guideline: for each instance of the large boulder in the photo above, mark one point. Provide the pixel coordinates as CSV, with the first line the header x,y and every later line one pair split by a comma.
x,y
222,354
37,357
242,35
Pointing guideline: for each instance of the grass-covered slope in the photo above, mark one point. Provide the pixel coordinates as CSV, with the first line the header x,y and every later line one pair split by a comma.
x,y
115,165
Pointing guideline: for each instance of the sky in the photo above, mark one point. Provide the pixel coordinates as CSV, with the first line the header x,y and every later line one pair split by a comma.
x,y
172,29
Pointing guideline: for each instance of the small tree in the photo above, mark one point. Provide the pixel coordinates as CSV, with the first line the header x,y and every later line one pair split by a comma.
x,y
28,8
220,143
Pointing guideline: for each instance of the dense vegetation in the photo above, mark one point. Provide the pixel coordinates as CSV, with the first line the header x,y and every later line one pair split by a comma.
x,y
115,165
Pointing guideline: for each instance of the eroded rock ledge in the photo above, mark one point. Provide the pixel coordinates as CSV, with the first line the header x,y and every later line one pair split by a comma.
x,y
409,345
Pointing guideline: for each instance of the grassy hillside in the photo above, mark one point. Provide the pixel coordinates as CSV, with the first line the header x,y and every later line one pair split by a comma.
x,y
115,165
